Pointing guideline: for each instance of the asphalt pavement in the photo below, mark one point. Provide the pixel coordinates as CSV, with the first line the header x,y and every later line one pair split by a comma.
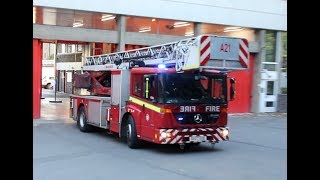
x,y
257,150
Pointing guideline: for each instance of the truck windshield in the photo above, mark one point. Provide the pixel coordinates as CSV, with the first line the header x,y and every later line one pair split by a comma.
x,y
192,89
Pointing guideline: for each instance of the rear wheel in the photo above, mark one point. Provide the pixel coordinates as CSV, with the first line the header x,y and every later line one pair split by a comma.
x,y
132,138
82,120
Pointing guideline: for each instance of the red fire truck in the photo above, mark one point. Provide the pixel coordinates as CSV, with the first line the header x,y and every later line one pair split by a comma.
x,y
174,93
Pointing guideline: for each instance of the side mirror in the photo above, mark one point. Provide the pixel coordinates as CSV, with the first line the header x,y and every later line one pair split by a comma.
x,y
232,89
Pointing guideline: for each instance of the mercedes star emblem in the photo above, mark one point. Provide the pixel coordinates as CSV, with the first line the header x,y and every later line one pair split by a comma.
x,y
197,118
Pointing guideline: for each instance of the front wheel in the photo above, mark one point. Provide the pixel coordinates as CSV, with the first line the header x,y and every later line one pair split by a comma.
x,y
132,138
191,145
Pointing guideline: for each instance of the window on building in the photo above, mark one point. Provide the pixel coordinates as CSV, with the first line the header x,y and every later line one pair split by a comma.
x,y
69,48
48,51
79,47
74,18
269,104
104,21
231,31
59,48
177,28
45,51
269,67
270,42
52,48
159,26
140,24
270,87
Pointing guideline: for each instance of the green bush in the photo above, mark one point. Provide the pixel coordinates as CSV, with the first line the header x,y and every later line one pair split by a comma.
x,y
283,90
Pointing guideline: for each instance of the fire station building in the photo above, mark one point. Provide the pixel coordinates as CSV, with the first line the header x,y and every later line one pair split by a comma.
x,y
64,32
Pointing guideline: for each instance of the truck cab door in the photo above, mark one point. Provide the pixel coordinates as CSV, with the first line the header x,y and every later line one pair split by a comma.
x,y
148,113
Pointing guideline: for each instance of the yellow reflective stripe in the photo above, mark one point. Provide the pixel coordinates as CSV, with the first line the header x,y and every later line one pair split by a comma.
x,y
147,88
198,63
147,105
191,67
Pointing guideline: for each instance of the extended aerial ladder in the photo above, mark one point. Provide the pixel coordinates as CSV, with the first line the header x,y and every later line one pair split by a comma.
x,y
204,52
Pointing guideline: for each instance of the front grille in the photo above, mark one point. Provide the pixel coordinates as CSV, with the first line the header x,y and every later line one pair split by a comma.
x,y
189,118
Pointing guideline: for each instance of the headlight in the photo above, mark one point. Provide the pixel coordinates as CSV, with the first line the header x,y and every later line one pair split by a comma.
x,y
168,135
165,134
225,132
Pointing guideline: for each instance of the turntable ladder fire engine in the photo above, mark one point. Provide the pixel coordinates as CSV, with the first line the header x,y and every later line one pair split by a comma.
x,y
122,97
204,52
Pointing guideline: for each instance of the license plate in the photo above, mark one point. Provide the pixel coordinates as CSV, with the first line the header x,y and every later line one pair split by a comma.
x,y
198,138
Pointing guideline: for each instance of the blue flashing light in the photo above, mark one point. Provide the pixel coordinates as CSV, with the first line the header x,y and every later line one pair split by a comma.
x,y
161,66
180,119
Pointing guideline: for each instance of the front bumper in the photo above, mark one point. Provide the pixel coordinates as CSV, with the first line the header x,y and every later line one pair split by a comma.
x,y
192,135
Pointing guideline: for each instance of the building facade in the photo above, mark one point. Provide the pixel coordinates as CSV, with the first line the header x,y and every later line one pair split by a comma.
x,y
104,26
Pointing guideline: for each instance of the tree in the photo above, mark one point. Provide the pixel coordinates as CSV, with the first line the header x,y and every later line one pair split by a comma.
x,y
284,49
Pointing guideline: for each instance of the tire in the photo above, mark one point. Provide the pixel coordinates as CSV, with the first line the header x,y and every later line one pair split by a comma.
x,y
195,144
191,145
82,120
48,86
132,138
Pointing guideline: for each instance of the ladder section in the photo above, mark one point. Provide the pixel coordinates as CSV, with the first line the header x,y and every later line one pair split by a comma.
x,y
205,51
175,53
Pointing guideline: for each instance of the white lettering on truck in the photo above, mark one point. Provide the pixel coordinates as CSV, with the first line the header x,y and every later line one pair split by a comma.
x,y
212,108
187,108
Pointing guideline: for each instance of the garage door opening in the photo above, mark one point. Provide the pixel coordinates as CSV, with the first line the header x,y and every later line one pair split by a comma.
x,y
56,63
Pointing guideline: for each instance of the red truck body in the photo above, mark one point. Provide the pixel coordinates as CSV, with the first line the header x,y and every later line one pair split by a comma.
x,y
160,104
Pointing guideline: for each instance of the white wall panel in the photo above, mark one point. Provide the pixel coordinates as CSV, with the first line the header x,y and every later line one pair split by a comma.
x,y
265,14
